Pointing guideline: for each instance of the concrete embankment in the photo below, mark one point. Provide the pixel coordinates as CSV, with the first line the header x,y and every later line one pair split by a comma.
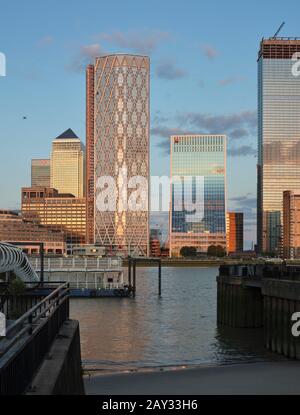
x,y
275,378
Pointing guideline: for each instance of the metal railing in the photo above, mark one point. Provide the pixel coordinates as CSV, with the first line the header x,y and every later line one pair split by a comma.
x,y
29,338
12,259
259,271
96,285
73,264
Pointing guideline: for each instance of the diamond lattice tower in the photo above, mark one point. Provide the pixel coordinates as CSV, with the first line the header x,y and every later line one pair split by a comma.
x,y
120,135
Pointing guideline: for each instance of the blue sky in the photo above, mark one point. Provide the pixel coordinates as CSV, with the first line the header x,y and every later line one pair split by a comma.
x,y
203,77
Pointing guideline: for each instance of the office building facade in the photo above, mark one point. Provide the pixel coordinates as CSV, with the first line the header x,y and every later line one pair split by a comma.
x,y
62,212
291,225
155,242
40,172
198,192
90,167
15,228
118,147
67,164
235,232
278,137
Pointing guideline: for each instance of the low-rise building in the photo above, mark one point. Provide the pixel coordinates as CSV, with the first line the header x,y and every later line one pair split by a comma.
x,y
89,251
15,228
155,250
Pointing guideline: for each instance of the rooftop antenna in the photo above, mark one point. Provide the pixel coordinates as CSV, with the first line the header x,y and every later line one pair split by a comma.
x,y
279,30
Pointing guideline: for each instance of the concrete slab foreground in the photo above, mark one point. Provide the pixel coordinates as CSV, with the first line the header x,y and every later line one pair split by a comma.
x,y
275,378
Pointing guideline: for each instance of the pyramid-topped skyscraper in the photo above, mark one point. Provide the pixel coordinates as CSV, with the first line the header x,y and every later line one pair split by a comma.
x,y
67,164
69,133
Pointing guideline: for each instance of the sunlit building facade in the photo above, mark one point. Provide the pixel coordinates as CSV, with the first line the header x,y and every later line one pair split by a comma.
x,y
291,225
118,101
155,242
198,192
278,137
67,164
15,228
58,211
40,172
90,146
235,232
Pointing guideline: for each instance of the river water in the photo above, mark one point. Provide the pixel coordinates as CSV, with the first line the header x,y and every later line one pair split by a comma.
x,y
178,329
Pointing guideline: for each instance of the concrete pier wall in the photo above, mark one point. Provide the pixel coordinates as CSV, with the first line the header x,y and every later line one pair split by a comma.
x,y
247,303
239,306
281,301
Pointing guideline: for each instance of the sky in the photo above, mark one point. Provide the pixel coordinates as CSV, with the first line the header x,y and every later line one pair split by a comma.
x,y
203,77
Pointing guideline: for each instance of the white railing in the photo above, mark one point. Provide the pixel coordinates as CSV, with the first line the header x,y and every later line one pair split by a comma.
x,y
92,286
78,264
13,259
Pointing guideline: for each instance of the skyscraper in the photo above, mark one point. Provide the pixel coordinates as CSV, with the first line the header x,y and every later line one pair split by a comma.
x,y
235,232
198,192
40,172
67,164
90,188
118,146
278,136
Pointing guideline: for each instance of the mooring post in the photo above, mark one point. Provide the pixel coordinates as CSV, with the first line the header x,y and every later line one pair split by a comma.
x,y
134,277
159,277
42,262
129,271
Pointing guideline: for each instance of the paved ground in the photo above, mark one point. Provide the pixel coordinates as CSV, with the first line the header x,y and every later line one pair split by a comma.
x,y
279,378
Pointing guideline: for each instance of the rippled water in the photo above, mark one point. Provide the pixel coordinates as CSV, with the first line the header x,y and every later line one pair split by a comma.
x,y
178,329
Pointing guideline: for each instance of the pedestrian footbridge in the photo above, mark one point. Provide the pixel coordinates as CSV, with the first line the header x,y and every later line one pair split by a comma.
x,y
12,259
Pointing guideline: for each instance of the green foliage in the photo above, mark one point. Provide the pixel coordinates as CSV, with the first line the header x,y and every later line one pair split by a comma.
x,y
216,251
269,255
188,251
16,287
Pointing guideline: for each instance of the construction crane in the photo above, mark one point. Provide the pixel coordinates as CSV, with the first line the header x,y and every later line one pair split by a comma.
x,y
279,30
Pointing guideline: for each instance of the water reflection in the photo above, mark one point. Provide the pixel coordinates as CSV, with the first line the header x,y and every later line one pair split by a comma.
x,y
178,329
233,345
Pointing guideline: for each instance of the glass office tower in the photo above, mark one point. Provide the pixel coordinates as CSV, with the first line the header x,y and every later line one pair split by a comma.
x,y
278,136
40,172
198,192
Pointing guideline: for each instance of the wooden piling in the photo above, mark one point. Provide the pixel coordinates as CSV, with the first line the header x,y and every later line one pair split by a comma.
x,y
159,278
238,305
134,278
129,271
